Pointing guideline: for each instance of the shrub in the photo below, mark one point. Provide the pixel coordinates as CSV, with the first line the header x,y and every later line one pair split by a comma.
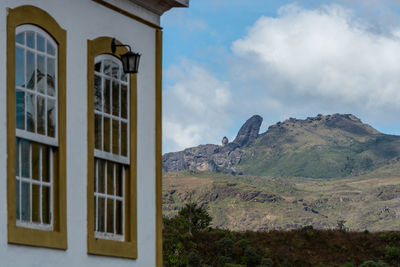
x,y
307,227
373,264
251,257
392,238
225,246
392,254
194,259
267,262
347,265
242,243
222,261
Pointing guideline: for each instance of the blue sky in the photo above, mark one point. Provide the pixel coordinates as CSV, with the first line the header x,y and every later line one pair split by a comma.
x,y
226,60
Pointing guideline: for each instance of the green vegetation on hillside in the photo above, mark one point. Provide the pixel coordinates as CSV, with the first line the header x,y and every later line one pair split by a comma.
x,y
243,202
190,241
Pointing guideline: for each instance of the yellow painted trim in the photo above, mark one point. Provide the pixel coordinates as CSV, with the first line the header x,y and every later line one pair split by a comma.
x,y
158,159
19,235
128,248
128,14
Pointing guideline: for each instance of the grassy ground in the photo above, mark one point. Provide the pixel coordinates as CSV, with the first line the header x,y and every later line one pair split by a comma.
x,y
370,202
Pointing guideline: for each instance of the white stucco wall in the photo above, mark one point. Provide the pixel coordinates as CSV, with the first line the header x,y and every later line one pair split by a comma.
x,y
83,20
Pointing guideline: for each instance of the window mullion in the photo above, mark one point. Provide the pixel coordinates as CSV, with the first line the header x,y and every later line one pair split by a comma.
x,y
96,197
114,200
41,185
51,176
123,200
30,181
20,182
105,199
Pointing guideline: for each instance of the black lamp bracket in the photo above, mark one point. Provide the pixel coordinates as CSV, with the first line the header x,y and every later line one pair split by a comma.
x,y
114,46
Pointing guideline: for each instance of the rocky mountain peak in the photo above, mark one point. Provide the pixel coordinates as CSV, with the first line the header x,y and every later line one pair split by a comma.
x,y
335,145
249,131
345,122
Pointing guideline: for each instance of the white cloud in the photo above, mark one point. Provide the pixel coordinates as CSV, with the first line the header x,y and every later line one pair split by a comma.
x,y
298,64
196,107
324,54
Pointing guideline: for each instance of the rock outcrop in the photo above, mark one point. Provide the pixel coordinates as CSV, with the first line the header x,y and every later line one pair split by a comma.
x,y
325,146
249,131
210,157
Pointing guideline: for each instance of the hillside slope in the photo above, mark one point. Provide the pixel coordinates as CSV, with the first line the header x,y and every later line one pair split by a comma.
x,y
332,146
241,202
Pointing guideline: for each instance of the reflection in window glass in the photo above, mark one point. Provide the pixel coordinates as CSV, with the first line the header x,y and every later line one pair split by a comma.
x,y
111,105
36,121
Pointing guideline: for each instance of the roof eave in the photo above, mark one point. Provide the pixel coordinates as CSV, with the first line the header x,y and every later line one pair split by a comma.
x,y
161,6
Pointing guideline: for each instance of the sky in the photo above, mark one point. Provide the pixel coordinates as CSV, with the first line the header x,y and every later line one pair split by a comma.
x,y
226,60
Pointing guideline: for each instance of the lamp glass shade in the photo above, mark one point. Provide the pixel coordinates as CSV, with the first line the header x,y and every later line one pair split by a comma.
x,y
130,62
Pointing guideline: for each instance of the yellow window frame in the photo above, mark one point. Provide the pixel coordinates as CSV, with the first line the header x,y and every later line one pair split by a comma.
x,y
105,247
57,238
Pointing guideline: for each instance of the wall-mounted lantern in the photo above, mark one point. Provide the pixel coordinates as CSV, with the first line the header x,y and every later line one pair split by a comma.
x,y
130,60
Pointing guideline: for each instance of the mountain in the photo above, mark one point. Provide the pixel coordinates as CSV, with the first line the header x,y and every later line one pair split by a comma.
x,y
331,146
288,176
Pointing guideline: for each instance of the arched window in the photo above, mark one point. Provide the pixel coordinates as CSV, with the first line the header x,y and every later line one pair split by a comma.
x,y
112,221
111,105
36,126
36,101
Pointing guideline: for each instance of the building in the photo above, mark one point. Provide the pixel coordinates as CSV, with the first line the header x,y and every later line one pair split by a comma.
x,y
80,146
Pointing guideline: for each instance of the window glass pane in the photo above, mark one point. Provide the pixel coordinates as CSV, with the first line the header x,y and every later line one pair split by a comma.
x,y
17,184
110,178
118,217
106,134
100,214
30,39
51,76
98,93
115,70
97,66
107,67
20,38
41,113
46,164
19,67
97,131
107,97
124,139
41,74
124,101
40,42
115,137
46,204
50,49
118,180
110,216
30,112
35,203
20,109
25,158
94,212
17,157
101,176
51,117
115,99
25,201
124,76
35,161
30,69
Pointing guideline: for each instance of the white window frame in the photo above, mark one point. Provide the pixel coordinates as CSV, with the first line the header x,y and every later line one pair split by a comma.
x,y
110,156
51,142
36,137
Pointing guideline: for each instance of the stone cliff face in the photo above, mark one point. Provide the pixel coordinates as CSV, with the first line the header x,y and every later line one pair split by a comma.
x,y
210,157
